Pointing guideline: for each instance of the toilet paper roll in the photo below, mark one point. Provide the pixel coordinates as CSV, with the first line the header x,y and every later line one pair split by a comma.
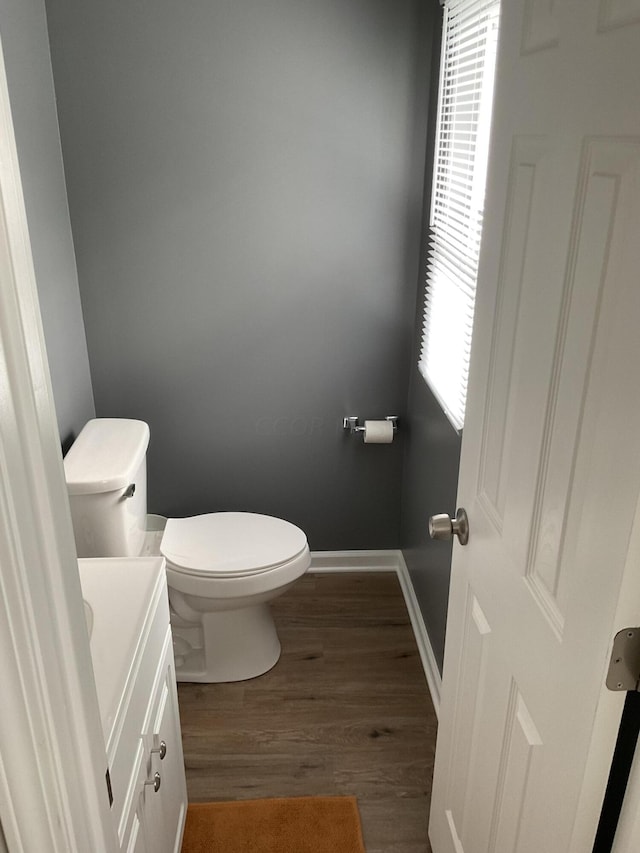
x,y
378,432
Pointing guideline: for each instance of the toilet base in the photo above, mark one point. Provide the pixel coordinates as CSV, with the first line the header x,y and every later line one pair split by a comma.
x,y
224,645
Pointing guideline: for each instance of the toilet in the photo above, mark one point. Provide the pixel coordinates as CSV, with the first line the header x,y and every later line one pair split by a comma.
x,y
223,568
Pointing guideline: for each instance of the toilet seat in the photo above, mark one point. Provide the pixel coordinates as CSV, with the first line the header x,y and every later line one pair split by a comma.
x,y
230,544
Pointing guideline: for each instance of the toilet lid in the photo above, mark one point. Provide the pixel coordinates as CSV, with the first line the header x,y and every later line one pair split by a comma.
x,y
230,543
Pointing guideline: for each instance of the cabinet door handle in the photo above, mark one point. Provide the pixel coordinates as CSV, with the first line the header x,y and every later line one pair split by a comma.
x,y
161,750
155,782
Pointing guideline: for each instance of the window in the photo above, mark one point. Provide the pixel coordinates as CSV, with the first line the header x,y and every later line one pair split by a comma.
x,y
467,71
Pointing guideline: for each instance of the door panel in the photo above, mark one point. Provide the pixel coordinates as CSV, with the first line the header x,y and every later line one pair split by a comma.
x,y
524,178
468,710
520,742
607,176
541,28
618,13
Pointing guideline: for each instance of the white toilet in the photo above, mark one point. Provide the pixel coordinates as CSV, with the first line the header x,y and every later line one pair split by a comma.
x,y
222,568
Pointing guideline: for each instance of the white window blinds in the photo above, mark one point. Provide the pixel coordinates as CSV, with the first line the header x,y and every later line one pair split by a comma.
x,y
459,176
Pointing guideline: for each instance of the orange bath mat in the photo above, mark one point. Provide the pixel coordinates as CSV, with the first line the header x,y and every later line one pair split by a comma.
x,y
293,825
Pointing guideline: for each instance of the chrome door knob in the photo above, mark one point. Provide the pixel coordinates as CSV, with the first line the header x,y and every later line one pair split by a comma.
x,y
443,527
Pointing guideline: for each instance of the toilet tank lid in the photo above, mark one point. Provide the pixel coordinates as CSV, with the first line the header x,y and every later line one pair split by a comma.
x,y
105,456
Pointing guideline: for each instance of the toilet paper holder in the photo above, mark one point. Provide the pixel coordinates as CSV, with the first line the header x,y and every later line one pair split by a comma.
x,y
352,424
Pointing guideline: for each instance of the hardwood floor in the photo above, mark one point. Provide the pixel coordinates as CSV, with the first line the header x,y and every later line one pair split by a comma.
x,y
345,711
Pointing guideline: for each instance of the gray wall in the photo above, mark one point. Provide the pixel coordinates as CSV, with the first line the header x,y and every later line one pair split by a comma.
x,y
432,451
429,487
245,185
23,28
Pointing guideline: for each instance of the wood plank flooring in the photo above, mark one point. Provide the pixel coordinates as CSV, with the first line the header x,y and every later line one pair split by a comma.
x,y
345,711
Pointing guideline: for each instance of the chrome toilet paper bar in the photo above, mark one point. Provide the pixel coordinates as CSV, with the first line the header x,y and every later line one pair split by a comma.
x,y
352,424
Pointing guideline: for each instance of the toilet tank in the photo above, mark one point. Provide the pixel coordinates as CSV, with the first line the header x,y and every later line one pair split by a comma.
x,y
106,474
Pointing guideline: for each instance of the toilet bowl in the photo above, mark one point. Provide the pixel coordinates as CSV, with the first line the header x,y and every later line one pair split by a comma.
x,y
223,568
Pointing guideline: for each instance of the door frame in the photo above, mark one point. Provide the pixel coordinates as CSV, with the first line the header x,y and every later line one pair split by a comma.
x,y
52,755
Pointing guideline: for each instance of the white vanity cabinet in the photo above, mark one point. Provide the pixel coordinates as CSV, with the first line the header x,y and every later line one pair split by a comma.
x,y
132,652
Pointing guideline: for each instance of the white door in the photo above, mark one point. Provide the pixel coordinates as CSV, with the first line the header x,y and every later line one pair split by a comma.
x,y
550,468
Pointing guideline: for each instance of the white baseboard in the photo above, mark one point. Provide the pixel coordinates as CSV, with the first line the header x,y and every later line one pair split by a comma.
x,y
427,656
354,561
388,561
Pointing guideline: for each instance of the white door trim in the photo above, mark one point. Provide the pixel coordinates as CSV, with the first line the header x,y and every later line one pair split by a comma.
x,y
52,756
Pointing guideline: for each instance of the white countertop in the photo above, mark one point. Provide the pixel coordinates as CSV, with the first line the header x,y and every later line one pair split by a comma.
x,y
120,593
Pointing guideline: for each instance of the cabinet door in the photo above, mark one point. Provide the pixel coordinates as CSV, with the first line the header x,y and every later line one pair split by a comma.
x,y
166,809
137,839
